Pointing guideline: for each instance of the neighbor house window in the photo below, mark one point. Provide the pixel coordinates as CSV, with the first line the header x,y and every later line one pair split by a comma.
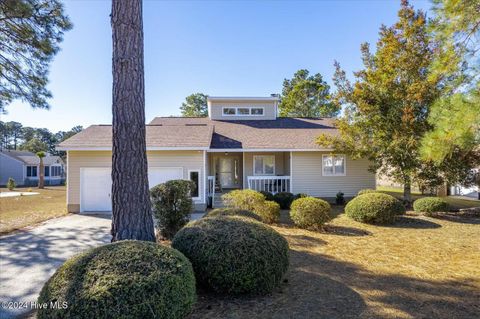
x,y
229,111
264,165
333,165
194,176
47,170
31,171
257,111
55,170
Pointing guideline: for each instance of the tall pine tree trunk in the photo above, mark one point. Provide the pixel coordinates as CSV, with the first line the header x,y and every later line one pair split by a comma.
x,y
131,210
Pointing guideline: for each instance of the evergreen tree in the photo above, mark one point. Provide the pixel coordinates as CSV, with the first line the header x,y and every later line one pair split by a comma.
x,y
306,96
30,31
195,105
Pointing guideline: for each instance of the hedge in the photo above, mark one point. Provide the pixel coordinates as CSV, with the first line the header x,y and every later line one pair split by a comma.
x,y
234,255
310,212
377,208
126,279
430,205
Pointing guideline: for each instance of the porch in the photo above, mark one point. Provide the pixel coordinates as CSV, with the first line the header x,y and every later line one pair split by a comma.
x,y
260,171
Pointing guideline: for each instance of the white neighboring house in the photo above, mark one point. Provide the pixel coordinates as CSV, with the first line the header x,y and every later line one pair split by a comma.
x,y
241,144
24,168
472,191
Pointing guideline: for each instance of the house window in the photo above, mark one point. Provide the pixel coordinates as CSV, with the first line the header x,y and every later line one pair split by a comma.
x,y
46,171
31,171
229,111
264,165
257,111
243,111
194,176
333,165
55,171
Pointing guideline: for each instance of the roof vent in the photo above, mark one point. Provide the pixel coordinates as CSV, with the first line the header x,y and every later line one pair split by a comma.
x,y
195,124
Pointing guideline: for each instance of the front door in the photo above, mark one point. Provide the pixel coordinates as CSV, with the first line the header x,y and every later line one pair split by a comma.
x,y
228,171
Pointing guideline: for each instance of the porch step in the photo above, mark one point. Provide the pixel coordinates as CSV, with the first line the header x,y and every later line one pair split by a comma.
x,y
218,201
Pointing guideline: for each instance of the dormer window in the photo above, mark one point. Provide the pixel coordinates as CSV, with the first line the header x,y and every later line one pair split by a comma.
x,y
243,111
257,110
229,111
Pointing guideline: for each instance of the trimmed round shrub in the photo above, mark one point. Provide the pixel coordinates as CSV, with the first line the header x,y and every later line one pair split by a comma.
x,y
430,205
310,212
375,208
269,212
234,255
126,279
172,205
268,195
245,199
232,212
367,191
284,199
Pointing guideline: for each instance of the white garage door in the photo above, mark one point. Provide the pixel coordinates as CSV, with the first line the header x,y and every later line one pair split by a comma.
x,y
158,175
96,185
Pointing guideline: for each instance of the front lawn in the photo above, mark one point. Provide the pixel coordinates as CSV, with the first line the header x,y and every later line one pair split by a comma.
x,y
419,267
21,211
455,202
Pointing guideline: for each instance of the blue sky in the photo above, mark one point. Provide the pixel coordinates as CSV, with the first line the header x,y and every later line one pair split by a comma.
x,y
214,47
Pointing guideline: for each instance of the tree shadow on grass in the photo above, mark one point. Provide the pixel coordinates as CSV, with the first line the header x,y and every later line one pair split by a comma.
x,y
454,218
345,231
412,222
318,286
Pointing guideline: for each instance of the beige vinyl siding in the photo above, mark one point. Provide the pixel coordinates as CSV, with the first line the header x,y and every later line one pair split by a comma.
x,y
188,160
216,110
307,176
282,164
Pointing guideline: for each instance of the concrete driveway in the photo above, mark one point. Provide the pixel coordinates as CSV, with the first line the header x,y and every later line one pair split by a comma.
x,y
28,258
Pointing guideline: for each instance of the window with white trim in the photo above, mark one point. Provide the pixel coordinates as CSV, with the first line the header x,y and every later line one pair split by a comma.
x,y
333,165
194,176
229,111
31,171
264,165
55,171
256,111
243,111
46,171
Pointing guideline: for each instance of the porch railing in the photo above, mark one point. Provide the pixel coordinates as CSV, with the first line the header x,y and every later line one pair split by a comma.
x,y
211,188
272,184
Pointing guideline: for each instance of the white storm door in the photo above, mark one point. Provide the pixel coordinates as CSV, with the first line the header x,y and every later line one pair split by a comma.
x,y
95,189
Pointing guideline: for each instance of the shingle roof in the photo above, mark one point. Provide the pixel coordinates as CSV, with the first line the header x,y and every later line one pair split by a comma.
x,y
282,133
100,136
201,132
31,159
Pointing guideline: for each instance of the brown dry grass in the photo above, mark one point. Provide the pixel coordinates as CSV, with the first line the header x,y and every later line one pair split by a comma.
x,y
21,211
418,268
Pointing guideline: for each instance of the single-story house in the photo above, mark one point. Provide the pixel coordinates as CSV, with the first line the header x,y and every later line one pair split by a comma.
x,y
241,144
24,168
